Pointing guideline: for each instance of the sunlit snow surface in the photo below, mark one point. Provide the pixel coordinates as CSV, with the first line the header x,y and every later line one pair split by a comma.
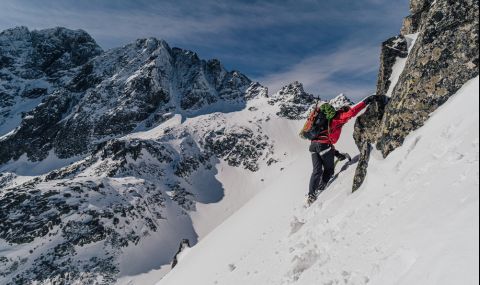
x,y
414,221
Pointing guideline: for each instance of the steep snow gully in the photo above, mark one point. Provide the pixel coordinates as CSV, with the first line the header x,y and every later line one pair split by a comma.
x,y
414,220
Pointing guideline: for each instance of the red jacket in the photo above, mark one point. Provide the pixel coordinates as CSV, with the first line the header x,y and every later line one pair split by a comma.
x,y
332,135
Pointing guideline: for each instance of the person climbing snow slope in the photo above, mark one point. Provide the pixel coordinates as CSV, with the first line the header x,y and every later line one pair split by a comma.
x,y
324,128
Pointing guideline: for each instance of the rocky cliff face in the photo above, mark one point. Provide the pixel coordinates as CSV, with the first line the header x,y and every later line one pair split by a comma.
x,y
33,64
441,59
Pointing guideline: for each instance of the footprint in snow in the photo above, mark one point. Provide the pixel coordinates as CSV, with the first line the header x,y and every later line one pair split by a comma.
x,y
304,261
295,225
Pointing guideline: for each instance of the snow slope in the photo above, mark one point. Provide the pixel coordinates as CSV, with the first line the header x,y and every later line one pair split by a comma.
x,y
414,220
237,185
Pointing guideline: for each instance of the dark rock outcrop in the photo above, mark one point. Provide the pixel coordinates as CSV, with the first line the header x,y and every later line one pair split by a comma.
x,y
368,124
444,57
185,243
239,147
34,134
393,48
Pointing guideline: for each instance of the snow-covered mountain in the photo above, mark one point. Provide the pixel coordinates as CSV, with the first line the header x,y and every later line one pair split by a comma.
x,y
124,89
124,153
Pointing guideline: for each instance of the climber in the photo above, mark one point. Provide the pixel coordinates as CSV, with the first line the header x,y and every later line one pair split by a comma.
x,y
322,145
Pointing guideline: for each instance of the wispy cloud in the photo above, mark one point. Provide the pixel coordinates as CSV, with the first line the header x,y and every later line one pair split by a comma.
x,y
111,24
268,40
192,20
330,74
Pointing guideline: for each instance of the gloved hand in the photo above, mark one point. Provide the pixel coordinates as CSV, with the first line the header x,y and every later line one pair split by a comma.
x,y
370,99
376,98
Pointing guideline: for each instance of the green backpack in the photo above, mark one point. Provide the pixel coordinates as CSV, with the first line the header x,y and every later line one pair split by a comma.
x,y
318,121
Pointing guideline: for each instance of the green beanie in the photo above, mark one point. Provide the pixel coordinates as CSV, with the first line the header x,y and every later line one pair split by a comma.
x,y
328,110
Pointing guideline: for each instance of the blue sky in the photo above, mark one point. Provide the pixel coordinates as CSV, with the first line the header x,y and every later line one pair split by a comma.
x,y
332,46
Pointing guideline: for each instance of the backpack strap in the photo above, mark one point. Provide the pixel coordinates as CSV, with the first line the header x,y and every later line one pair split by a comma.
x,y
325,134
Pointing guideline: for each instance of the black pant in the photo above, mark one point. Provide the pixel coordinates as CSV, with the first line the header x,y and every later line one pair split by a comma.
x,y
323,158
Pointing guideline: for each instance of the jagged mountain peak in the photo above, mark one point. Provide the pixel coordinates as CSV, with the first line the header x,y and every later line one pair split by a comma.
x,y
64,32
256,90
340,100
293,89
18,32
51,49
294,101
152,43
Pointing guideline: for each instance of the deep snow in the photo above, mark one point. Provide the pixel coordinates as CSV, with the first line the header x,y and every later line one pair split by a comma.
x,y
414,220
